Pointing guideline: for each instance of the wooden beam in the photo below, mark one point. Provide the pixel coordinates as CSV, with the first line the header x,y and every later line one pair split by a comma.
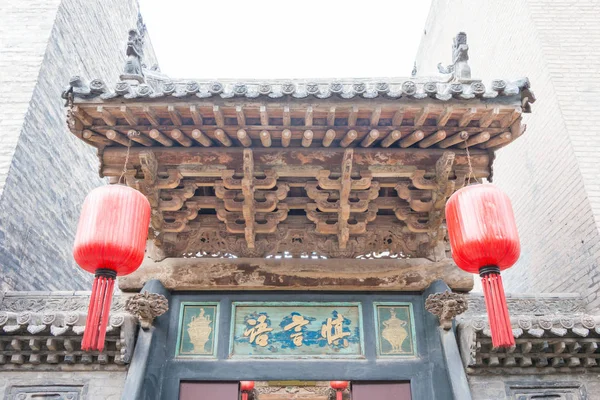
x,y
348,138
454,139
496,140
370,138
398,117
181,138
83,116
243,137
422,116
353,116
218,114
137,136
93,137
128,115
196,117
467,117
248,191
118,137
328,138
286,137
308,117
241,118
108,118
412,139
265,138
510,118
375,115
151,116
201,138
445,116
264,116
213,274
432,139
160,138
223,138
475,140
287,119
175,116
307,138
391,138
489,117
331,116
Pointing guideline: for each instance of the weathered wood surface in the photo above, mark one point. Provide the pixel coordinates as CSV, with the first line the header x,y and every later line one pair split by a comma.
x,y
297,274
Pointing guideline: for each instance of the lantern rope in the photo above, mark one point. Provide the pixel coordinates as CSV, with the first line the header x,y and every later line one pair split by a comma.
x,y
470,166
126,161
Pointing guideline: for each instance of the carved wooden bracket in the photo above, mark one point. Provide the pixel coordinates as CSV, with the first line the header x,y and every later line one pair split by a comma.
x,y
446,306
147,306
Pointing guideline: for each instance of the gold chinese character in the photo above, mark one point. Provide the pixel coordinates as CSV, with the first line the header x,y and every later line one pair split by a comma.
x,y
298,321
333,331
258,334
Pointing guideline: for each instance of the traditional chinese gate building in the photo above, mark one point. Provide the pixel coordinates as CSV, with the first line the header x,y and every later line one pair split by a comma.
x,y
298,226
297,237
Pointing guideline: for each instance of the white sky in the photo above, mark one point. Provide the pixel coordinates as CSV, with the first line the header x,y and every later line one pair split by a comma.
x,y
285,39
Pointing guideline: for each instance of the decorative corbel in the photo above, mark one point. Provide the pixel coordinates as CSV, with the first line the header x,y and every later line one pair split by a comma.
x,y
446,306
147,306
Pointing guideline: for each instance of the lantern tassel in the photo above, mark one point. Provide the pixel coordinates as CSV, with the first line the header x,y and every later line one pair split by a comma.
x,y
339,395
98,310
497,309
244,396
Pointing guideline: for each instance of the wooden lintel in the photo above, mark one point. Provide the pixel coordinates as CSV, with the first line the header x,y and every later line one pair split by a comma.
x,y
229,158
187,274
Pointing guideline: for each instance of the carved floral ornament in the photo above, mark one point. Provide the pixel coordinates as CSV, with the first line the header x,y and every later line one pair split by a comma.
x,y
446,306
147,306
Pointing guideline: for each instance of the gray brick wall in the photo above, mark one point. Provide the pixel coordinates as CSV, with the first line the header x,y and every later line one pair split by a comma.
x,y
94,385
551,173
48,172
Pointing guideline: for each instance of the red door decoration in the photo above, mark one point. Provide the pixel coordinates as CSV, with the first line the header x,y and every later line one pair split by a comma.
x,y
484,240
246,387
339,387
110,241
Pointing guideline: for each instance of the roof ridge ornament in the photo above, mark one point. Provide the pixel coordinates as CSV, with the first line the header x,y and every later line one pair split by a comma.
x,y
459,69
133,69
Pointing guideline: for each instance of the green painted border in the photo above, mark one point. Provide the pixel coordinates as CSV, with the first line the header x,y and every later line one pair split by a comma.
x,y
303,304
412,328
182,306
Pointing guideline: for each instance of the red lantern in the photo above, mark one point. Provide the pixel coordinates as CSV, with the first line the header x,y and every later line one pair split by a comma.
x,y
246,387
110,241
484,240
339,387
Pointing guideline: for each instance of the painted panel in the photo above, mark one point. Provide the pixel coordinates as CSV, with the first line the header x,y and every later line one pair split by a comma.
x,y
296,330
197,334
395,328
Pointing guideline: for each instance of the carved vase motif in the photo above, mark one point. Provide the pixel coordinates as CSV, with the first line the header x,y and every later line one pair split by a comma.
x,y
394,332
199,331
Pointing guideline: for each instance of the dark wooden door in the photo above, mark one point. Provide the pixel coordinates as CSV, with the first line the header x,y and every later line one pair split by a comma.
x,y
381,391
208,391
